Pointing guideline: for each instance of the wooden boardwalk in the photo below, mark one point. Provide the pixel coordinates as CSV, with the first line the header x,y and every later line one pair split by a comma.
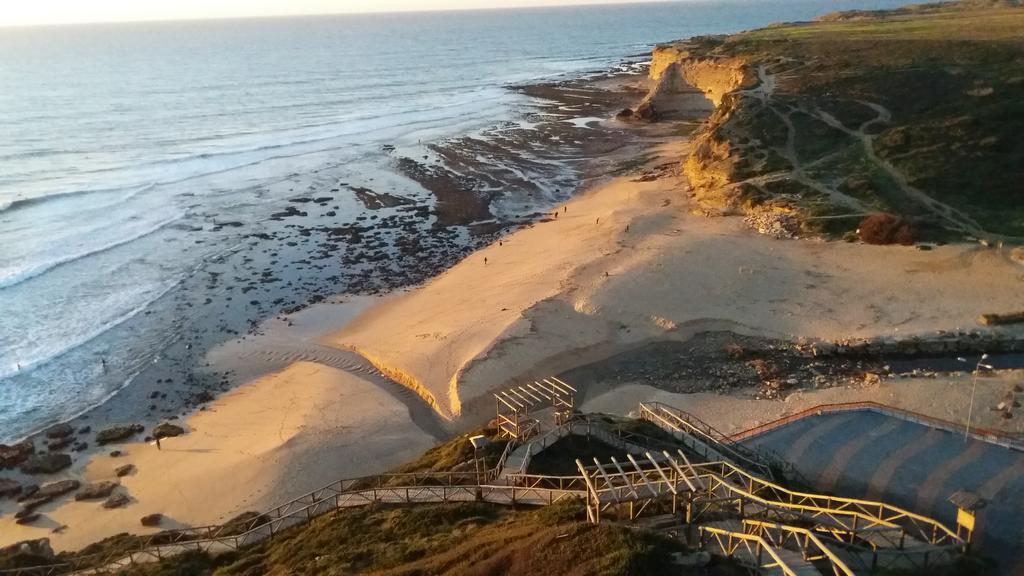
x,y
761,534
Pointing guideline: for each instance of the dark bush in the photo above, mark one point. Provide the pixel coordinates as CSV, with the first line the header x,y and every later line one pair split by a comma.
x,y
885,228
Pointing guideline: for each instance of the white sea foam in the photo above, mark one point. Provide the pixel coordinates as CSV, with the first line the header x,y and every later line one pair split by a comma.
x,y
176,124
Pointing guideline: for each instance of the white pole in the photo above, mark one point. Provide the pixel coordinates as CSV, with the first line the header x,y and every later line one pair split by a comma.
x,y
974,386
970,410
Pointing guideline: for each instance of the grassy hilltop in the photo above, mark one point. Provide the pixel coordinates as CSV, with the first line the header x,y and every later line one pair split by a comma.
x,y
917,111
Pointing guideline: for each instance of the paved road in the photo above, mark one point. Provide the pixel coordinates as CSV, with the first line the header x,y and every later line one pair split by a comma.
x,y
864,454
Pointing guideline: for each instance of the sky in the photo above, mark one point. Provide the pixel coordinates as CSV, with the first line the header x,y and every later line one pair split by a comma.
x,y
45,12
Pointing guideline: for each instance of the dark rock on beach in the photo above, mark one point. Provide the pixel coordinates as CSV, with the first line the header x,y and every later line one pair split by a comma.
x,y
151,520
59,488
12,456
45,463
29,518
27,491
27,553
46,494
124,470
118,433
117,500
55,444
9,488
167,430
60,431
96,490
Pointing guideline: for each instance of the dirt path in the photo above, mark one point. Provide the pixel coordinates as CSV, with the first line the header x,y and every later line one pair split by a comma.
x,y
765,91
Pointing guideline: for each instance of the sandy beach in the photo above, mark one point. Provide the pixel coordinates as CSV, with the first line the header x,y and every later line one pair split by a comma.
x,y
286,433
628,263
355,386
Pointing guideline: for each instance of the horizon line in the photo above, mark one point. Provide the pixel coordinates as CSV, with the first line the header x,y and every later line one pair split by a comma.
x,y
564,4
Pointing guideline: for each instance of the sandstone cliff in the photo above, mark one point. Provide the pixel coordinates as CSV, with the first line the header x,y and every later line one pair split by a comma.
x,y
714,163
681,65
832,121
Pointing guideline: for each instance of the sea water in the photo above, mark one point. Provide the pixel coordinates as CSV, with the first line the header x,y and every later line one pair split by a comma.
x,y
117,142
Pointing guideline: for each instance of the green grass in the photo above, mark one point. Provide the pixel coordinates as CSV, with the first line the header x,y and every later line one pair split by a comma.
x,y
446,456
952,77
444,539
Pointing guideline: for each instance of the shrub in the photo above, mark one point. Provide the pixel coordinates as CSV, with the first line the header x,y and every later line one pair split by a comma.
x,y
885,228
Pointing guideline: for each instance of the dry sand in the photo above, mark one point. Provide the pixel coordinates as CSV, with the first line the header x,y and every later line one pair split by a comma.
x,y
945,397
278,437
623,264
582,287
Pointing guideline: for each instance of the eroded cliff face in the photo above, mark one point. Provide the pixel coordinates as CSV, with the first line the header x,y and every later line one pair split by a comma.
x,y
715,77
713,163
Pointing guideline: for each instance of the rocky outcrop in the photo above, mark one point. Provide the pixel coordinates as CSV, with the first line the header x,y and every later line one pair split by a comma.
x,y
60,431
27,491
46,494
663,97
27,553
118,433
96,490
59,488
45,463
675,71
151,520
116,500
9,488
14,455
678,66
167,430
713,164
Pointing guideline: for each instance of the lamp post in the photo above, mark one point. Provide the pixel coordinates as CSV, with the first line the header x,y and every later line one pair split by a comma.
x,y
974,387
479,442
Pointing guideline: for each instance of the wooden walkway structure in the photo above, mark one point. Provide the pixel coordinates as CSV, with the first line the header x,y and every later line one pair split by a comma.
x,y
636,485
766,526
772,548
514,405
702,438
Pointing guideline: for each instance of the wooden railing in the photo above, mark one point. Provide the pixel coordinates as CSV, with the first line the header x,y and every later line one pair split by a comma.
x,y
724,480
747,549
846,512
708,442
810,546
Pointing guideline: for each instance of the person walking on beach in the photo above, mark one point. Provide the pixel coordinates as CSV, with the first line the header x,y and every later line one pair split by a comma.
x,y
485,260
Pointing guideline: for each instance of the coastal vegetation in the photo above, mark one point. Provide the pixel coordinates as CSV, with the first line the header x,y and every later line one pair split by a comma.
x,y
916,112
463,539
467,538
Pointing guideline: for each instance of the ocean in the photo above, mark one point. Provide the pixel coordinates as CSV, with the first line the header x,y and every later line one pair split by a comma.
x,y
138,161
